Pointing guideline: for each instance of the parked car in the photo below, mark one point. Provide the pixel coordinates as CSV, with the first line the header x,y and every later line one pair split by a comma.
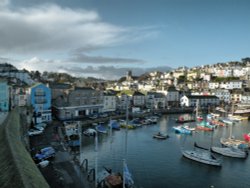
x,y
103,115
93,116
33,132
44,154
38,128
44,125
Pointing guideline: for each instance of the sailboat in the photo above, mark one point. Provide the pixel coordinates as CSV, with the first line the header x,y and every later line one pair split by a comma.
x,y
230,141
202,155
118,180
230,152
198,116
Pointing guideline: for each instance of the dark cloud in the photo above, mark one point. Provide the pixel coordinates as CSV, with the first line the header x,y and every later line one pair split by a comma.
x,y
84,58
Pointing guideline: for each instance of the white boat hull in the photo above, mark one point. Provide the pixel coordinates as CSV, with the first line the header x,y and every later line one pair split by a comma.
x,y
202,157
230,152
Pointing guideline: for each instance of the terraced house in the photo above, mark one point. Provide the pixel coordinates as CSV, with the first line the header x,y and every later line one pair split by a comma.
x,y
40,100
78,103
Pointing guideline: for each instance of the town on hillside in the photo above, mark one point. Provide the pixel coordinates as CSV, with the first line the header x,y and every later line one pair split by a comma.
x,y
65,97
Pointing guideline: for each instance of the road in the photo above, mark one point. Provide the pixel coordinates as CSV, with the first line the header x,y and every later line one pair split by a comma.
x,y
63,171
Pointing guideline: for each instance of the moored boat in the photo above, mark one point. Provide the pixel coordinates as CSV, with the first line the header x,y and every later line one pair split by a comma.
x,y
182,130
101,129
160,135
114,125
230,152
202,157
184,119
230,142
89,132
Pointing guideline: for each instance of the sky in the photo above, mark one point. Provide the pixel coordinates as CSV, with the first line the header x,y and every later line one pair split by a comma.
x,y
106,38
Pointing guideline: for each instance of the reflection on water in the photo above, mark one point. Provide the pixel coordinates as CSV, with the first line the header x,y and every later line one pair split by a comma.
x,y
159,163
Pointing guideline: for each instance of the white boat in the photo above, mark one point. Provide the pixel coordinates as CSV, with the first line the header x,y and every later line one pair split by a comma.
x,y
231,142
230,152
202,157
189,128
89,132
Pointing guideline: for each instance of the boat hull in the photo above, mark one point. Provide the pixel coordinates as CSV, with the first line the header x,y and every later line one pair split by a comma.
x,y
229,152
202,157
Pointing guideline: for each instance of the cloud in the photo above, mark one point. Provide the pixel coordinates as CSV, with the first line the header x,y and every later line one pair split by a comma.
x,y
77,70
4,3
50,28
84,58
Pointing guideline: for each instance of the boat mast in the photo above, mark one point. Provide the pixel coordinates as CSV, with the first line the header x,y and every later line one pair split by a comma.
x,y
96,157
125,146
197,108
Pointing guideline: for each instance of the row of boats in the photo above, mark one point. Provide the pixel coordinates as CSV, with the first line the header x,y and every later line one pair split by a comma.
x,y
118,124
206,156
230,147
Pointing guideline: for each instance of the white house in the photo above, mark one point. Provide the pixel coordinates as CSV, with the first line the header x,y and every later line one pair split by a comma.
x,y
232,85
204,101
138,99
109,102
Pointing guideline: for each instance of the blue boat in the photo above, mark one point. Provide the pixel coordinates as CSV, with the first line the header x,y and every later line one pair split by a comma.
x,y
101,129
114,125
182,130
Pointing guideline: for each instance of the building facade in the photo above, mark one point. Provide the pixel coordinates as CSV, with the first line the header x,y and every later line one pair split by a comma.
x,y
40,100
4,96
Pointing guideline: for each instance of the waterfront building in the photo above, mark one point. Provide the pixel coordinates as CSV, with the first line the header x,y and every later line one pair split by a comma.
x,y
155,100
123,100
138,99
78,103
58,89
109,102
4,96
171,96
204,100
40,100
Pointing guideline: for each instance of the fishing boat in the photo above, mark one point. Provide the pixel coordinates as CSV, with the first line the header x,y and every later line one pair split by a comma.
x,y
230,152
160,135
202,157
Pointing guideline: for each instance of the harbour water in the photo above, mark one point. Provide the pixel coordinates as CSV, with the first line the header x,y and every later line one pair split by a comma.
x,y
159,163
